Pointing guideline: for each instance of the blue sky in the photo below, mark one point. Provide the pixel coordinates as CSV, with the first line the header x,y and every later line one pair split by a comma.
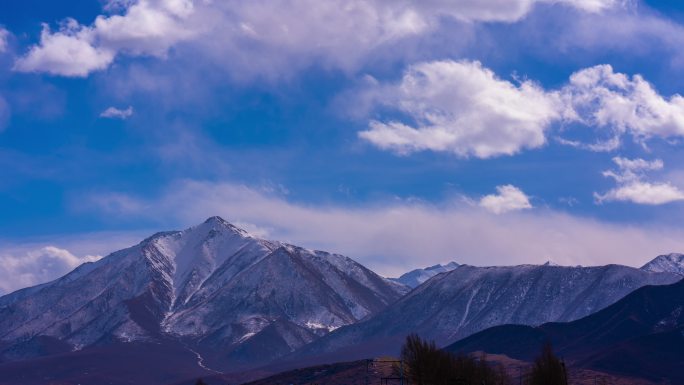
x,y
400,133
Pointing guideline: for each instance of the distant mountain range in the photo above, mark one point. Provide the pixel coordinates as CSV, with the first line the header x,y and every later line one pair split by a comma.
x,y
214,298
641,335
416,277
468,299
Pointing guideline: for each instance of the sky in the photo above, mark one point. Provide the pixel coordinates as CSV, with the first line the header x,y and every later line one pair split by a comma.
x,y
399,133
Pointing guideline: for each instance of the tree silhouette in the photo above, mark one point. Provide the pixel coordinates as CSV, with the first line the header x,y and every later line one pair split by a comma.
x,y
428,365
548,369
200,382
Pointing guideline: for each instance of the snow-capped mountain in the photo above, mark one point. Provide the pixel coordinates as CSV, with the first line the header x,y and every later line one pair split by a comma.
x,y
671,263
416,277
213,286
468,299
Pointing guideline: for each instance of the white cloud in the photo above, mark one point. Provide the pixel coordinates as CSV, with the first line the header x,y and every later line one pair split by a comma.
x,y
635,30
508,198
463,108
633,188
632,170
643,193
148,27
37,266
260,35
607,145
393,237
604,98
4,34
507,10
67,52
116,113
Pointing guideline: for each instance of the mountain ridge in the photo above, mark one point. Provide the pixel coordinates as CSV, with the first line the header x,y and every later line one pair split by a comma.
x,y
640,335
673,263
453,305
416,277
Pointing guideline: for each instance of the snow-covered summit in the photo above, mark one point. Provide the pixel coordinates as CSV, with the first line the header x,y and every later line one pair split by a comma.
x,y
192,255
668,263
416,277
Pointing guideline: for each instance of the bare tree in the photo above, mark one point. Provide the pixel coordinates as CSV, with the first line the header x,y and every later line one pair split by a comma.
x,y
548,369
428,365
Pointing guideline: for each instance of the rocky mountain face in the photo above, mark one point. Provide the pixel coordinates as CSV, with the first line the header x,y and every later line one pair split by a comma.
x,y
212,287
672,263
641,335
468,299
415,278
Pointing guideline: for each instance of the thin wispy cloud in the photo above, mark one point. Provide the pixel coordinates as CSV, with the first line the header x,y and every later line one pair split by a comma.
x,y
4,113
4,35
392,237
116,113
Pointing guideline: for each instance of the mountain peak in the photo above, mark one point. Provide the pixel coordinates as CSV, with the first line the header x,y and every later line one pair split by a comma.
x,y
416,277
211,285
217,222
216,219
669,263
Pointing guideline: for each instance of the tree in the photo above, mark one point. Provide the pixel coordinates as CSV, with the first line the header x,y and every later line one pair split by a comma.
x,y
428,365
548,369
200,382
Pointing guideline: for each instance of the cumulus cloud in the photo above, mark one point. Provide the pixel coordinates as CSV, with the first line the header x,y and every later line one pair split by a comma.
x,y
508,198
464,108
37,266
632,186
623,104
67,52
116,113
393,237
337,33
148,27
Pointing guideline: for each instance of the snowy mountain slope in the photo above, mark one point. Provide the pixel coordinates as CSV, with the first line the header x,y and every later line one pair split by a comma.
x,y
641,335
468,299
416,277
670,263
212,285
